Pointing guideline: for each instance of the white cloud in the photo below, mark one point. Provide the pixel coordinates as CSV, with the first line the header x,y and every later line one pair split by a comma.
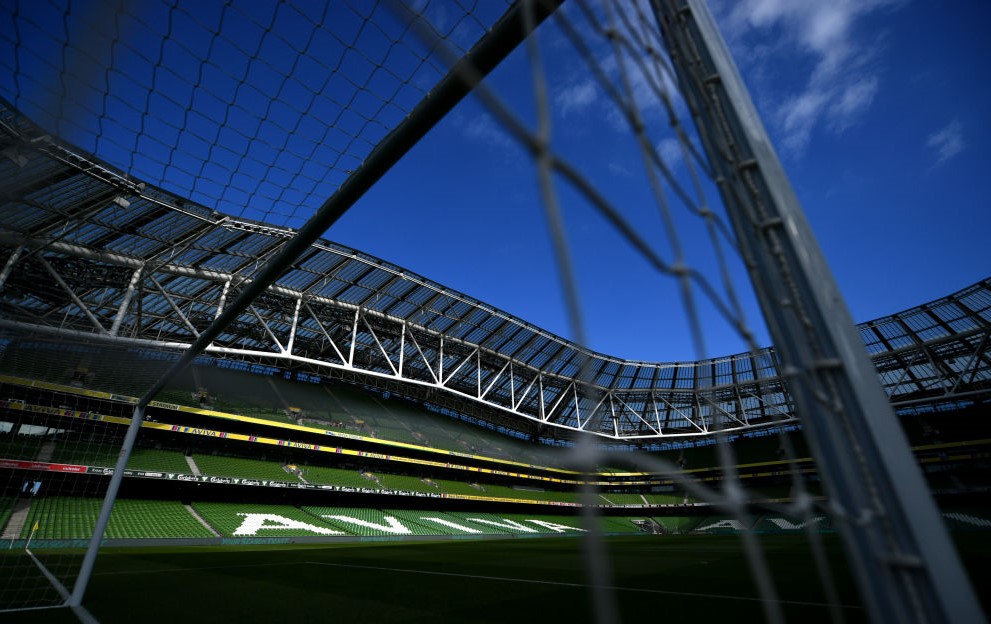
x,y
619,170
670,151
843,78
576,97
797,116
947,142
483,129
635,76
855,99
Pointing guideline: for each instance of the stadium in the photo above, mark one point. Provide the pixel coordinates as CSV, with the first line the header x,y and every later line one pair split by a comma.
x,y
209,410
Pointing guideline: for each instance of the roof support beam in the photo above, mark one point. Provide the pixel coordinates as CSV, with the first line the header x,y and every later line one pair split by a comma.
x,y
495,378
326,334
426,362
402,349
718,408
354,337
125,302
72,295
9,265
980,353
295,325
230,279
560,398
175,308
639,416
457,368
268,330
526,391
385,354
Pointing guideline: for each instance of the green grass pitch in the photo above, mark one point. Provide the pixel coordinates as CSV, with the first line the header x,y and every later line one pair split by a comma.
x,y
669,578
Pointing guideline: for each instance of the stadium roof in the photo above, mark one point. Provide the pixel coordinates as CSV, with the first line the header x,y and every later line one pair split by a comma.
x,y
188,141
91,252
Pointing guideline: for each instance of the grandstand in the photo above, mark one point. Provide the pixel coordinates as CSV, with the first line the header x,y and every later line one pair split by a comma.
x,y
249,476
368,463
178,371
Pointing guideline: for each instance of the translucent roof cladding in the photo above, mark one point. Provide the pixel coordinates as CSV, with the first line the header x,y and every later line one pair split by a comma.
x,y
967,310
255,108
86,219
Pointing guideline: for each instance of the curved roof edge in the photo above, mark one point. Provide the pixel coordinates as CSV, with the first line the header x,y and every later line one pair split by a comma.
x,y
90,251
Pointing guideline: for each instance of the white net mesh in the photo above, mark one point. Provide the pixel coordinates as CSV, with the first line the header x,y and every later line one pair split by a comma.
x,y
115,264
253,109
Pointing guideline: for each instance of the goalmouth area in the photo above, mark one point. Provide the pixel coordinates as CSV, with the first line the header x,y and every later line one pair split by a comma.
x,y
690,576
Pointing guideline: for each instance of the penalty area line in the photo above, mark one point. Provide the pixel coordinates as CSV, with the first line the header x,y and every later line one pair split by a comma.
x,y
508,579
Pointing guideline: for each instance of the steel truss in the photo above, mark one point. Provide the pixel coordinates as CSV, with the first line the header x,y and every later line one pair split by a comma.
x,y
90,253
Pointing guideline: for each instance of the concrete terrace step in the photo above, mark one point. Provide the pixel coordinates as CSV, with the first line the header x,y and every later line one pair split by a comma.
x,y
17,519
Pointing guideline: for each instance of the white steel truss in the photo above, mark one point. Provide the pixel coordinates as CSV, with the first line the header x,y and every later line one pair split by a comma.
x,y
341,313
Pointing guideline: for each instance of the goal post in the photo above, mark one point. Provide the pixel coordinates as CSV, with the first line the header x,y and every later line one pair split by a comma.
x,y
492,48
112,286
900,551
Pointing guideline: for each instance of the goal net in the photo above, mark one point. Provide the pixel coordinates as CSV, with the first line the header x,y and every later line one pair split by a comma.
x,y
168,174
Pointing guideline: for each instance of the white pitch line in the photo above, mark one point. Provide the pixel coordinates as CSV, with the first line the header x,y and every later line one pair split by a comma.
x,y
583,585
199,569
476,577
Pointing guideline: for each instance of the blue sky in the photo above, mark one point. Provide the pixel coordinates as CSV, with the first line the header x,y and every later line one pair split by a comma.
x,y
878,109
